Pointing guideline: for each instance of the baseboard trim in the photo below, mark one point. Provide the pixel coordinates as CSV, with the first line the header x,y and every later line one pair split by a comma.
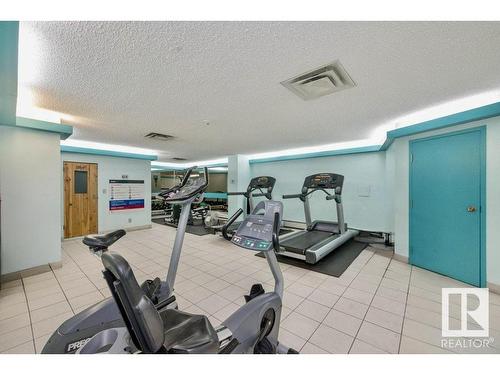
x,y
400,258
30,272
131,229
494,288
141,227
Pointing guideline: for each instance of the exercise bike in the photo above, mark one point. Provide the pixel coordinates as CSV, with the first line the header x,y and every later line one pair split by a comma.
x,y
79,329
253,328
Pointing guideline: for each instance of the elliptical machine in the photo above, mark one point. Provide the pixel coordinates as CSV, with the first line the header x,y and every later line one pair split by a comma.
x,y
77,330
253,328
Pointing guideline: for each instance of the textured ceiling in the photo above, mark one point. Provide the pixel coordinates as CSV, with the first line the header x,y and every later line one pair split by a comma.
x,y
121,80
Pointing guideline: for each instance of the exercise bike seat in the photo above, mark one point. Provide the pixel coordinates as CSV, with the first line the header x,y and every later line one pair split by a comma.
x,y
152,330
188,333
102,242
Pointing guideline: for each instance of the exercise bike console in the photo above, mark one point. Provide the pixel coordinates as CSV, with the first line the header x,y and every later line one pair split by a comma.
x,y
258,231
190,188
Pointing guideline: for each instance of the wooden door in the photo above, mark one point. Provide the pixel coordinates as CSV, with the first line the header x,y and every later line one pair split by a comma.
x,y
80,199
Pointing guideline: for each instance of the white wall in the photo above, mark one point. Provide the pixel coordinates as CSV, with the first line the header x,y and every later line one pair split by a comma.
x,y
30,190
109,168
398,154
361,172
238,177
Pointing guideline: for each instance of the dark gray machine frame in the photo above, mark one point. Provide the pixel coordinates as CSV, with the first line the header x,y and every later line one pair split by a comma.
x,y
319,238
79,329
253,328
265,186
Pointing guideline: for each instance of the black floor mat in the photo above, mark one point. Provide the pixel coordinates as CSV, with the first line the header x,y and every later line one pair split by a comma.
x,y
334,264
199,230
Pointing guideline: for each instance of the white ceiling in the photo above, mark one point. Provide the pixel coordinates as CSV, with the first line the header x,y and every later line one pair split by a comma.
x,y
121,80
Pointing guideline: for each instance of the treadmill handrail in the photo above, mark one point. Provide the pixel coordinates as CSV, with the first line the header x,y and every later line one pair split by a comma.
x,y
231,220
237,193
292,196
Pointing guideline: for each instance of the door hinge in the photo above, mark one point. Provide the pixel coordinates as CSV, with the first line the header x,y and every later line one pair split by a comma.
x,y
411,158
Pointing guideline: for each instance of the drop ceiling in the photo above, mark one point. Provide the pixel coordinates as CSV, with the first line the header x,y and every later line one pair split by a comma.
x,y
119,81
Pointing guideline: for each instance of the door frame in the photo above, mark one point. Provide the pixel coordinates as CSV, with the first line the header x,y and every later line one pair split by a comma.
x,y
482,224
64,194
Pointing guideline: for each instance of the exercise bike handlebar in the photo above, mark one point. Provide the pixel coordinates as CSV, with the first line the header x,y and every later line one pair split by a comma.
x,y
167,191
185,178
276,231
191,191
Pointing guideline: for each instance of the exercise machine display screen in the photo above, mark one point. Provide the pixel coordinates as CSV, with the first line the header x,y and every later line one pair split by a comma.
x,y
256,231
324,181
262,182
254,235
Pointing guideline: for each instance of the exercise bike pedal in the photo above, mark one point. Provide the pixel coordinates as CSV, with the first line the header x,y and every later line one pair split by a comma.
x,y
255,291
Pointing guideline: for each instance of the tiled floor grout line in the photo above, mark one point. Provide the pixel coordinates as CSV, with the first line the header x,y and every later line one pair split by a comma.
x,y
347,286
363,320
62,290
81,270
371,269
29,315
404,313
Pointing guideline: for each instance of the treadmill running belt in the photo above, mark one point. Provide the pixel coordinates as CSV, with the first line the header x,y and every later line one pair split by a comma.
x,y
304,241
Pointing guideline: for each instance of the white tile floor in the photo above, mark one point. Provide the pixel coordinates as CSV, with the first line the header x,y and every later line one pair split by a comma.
x,y
379,305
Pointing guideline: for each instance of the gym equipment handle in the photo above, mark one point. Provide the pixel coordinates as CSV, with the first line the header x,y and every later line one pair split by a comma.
x,y
276,231
290,196
231,220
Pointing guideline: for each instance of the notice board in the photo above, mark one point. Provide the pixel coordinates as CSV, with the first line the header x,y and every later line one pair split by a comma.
x,y
126,195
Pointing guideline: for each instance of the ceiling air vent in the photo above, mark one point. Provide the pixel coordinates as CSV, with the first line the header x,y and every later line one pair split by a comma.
x,y
179,159
321,81
159,136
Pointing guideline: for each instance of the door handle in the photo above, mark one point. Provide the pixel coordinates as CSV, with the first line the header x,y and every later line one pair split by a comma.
x,y
471,209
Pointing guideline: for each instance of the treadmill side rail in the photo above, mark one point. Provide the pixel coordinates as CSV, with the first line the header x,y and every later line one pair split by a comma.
x,y
315,254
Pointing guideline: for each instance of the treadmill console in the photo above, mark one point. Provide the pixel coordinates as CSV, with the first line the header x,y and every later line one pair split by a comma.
x,y
262,182
256,231
324,181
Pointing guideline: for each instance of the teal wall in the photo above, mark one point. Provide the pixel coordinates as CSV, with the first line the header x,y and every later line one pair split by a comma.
x,y
398,155
367,204
9,32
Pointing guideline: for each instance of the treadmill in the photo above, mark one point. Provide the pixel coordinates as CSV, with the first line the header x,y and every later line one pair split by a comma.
x,y
319,238
264,185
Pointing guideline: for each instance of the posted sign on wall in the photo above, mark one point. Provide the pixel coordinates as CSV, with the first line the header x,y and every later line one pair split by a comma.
x,y
126,194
